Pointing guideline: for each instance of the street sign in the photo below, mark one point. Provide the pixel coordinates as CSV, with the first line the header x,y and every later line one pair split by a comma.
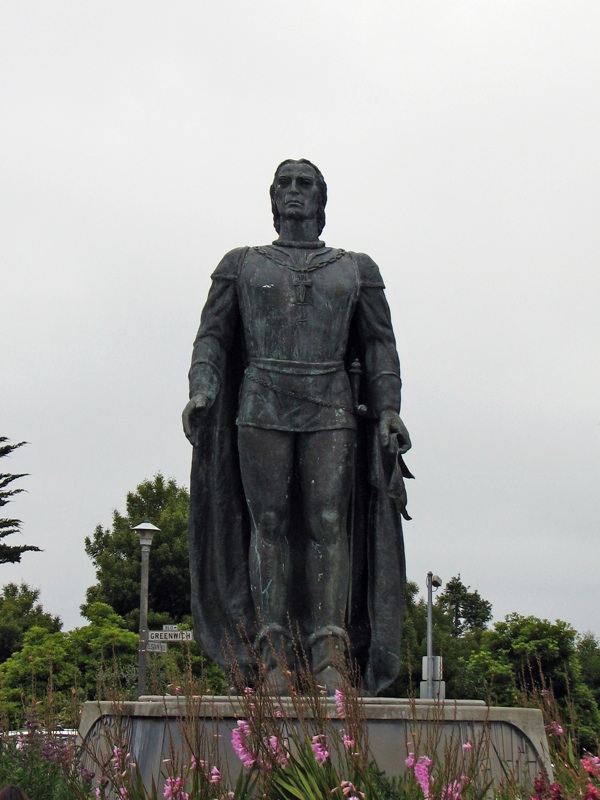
x,y
170,636
156,647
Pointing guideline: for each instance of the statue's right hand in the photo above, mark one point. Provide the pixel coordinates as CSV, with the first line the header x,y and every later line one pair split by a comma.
x,y
192,416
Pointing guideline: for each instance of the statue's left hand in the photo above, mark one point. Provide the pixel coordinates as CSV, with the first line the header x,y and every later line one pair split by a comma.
x,y
390,424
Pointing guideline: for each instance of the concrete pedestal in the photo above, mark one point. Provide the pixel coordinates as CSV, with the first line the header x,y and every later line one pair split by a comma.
x,y
511,740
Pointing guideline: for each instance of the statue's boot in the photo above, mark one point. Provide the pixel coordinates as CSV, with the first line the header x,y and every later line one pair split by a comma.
x,y
277,656
329,646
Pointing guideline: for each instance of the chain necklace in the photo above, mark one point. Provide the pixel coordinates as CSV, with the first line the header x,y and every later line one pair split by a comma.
x,y
301,278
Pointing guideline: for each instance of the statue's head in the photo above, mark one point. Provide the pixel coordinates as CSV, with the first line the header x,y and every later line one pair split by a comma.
x,y
320,183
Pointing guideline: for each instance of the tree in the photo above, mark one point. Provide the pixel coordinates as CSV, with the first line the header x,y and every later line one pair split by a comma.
x,y
541,653
20,611
469,611
116,556
56,670
588,650
105,652
413,638
455,649
40,674
542,657
10,554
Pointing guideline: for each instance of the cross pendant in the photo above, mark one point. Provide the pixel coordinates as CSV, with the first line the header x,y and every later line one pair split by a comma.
x,y
302,282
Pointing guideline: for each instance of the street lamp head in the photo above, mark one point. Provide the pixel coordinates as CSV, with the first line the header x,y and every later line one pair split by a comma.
x,y
145,531
436,581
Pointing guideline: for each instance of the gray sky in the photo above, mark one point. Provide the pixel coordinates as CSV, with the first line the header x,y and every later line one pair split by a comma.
x,y
460,142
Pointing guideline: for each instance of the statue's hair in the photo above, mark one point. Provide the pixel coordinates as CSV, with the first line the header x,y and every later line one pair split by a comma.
x,y
322,192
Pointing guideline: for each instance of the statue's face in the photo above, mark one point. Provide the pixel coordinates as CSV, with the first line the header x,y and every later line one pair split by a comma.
x,y
297,193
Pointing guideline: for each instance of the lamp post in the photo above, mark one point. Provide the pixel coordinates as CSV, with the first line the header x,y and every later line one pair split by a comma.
x,y
432,581
145,531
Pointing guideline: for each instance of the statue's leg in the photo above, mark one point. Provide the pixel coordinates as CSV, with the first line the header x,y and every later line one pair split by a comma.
x,y
325,464
266,462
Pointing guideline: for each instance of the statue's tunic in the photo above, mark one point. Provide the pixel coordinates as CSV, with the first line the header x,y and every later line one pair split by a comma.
x,y
297,307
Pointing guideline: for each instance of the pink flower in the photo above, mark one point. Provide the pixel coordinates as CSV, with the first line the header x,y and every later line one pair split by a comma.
x,y
592,792
278,752
350,791
556,792
591,764
410,761
347,741
319,749
554,729
453,791
124,793
422,775
240,743
215,775
174,789
98,793
340,703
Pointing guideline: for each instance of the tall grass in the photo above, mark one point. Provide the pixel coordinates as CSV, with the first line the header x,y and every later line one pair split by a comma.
x,y
305,745
43,763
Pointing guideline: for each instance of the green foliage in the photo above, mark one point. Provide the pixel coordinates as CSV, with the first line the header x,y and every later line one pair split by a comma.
x,y
519,657
42,672
185,668
413,638
538,651
44,766
58,670
487,677
588,652
10,554
20,611
105,652
526,656
116,556
459,617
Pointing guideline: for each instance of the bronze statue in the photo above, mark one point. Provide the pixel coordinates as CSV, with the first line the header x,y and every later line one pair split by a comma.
x,y
297,480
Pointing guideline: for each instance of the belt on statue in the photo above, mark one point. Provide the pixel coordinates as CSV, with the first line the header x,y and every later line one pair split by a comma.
x,y
297,367
252,376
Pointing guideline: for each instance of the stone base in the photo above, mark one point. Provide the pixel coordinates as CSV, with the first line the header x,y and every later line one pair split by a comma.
x,y
510,740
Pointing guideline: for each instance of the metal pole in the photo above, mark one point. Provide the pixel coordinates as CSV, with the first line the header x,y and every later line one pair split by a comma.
x,y
430,635
143,620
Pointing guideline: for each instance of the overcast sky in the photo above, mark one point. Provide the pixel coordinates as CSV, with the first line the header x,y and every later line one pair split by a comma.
x,y
461,145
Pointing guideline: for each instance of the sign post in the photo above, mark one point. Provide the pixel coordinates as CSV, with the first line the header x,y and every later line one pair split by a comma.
x,y
171,635
156,647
